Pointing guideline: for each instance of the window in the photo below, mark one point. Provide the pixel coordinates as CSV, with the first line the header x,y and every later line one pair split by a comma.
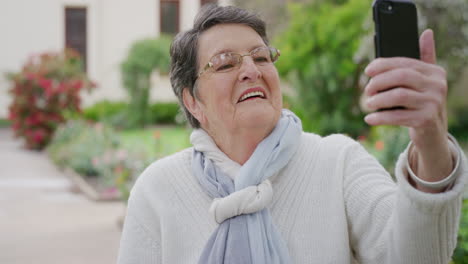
x,y
75,31
169,15
203,2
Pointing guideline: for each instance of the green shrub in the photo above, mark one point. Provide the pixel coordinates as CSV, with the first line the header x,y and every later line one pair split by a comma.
x,y
317,57
458,124
104,110
109,112
144,57
4,123
96,150
45,90
386,143
164,113
460,256
76,143
114,113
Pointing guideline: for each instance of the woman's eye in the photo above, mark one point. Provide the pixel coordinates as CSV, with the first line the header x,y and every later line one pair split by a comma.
x,y
261,59
224,67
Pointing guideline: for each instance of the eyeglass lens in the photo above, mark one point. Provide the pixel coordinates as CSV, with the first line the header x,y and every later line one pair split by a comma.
x,y
227,61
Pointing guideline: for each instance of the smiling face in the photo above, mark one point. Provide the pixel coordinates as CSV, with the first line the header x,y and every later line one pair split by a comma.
x,y
247,98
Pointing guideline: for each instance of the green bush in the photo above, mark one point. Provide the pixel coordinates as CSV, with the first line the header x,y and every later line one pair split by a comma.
x,y
114,113
4,123
104,110
109,112
96,150
386,143
459,123
460,256
164,113
76,143
317,57
144,57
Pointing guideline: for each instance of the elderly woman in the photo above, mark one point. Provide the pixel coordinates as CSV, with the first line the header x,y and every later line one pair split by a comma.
x,y
255,188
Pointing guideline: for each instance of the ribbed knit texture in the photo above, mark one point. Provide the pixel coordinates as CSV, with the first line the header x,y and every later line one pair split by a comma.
x,y
332,201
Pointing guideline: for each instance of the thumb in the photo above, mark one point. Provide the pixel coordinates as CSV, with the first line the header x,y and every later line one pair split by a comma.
x,y
427,47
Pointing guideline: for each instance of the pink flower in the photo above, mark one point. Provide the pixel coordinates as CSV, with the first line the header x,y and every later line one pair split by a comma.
x,y
99,127
121,154
118,169
95,161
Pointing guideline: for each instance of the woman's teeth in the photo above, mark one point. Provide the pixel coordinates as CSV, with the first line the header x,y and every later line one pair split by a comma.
x,y
252,94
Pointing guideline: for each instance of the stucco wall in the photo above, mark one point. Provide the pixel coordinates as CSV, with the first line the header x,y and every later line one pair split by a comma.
x,y
31,26
118,24
26,27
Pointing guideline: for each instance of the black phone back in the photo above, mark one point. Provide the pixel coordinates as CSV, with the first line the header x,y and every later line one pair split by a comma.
x,y
396,29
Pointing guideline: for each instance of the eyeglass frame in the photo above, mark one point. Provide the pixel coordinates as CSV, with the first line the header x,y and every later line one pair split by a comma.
x,y
209,65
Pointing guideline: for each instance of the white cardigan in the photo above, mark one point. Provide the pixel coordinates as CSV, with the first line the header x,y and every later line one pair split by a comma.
x,y
333,202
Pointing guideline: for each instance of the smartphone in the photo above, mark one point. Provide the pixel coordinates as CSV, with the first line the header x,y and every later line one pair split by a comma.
x,y
396,28
396,31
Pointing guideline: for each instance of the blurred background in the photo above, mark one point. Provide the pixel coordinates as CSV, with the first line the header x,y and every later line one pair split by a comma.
x,y
86,104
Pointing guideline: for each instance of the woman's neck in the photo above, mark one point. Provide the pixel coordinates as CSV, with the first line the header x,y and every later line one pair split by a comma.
x,y
240,145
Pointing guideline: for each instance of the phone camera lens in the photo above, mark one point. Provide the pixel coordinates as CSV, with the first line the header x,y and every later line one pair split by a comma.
x,y
386,7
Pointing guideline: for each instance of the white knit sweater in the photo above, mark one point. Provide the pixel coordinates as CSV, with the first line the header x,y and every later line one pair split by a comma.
x,y
333,202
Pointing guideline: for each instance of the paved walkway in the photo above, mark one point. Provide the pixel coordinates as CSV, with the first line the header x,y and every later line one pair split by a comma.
x,y
42,218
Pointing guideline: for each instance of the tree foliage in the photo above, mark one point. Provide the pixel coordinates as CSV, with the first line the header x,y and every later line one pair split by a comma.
x,y
318,50
449,20
274,12
145,56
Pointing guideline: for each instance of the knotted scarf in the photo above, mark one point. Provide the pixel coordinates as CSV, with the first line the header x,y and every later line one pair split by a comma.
x,y
246,233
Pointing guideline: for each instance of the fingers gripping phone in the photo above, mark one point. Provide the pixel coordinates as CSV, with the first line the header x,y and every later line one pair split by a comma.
x,y
396,31
396,28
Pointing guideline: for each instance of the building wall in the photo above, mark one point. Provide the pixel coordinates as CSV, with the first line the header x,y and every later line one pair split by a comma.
x,y
27,27
30,27
117,23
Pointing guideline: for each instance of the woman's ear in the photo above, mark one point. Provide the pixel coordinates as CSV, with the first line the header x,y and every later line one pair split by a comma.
x,y
193,105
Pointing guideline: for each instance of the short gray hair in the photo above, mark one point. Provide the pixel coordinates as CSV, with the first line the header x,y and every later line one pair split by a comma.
x,y
184,47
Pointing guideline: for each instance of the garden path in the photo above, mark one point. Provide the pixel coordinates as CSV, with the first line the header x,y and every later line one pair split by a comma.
x,y
43,220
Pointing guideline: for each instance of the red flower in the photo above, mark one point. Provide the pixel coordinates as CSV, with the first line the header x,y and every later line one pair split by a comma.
x,y
12,115
41,93
30,76
361,138
379,145
32,120
45,83
157,134
38,136
16,126
77,85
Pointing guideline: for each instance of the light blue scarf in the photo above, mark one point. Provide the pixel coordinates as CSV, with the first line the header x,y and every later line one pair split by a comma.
x,y
249,237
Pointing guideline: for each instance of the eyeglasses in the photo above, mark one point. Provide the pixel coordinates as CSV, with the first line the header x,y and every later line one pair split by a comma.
x,y
228,61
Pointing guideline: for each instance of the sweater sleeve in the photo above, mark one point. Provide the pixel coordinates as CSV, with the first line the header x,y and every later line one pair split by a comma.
x,y
140,242
136,246
395,223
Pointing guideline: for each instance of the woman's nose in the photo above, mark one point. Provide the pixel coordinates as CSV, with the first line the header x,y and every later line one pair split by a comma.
x,y
249,71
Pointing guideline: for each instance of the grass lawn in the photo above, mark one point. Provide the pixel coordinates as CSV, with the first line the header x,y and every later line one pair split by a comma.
x,y
4,123
156,142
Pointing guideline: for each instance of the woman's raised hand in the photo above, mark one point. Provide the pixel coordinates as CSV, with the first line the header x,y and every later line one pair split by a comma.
x,y
417,92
